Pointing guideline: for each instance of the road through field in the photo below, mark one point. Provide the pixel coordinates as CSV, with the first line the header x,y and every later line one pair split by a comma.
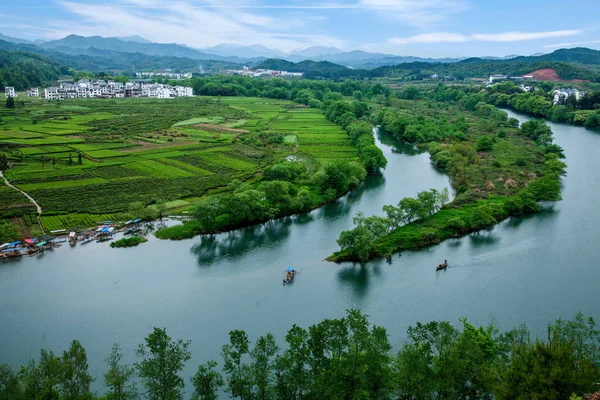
x,y
31,199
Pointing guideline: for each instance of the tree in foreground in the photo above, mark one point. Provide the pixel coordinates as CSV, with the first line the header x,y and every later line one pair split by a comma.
x,y
10,389
41,380
161,361
119,377
10,103
207,382
238,372
75,379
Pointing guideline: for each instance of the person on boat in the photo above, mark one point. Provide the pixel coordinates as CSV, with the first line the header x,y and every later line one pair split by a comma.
x,y
445,262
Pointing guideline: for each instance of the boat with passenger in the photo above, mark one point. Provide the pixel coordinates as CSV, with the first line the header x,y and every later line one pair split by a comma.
x,y
290,272
442,266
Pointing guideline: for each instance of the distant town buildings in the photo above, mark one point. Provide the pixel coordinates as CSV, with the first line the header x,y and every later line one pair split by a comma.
x,y
9,91
497,77
170,75
33,92
86,88
257,73
562,94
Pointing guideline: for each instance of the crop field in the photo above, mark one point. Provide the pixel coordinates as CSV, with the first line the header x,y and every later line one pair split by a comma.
x,y
89,159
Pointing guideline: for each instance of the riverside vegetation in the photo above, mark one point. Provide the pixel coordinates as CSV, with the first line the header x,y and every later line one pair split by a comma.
x,y
497,170
346,358
144,157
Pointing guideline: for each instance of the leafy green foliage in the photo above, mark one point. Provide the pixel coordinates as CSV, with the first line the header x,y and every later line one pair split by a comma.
x,y
161,360
119,379
128,242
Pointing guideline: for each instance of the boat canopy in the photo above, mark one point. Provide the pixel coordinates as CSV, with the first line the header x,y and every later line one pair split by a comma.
x,y
9,250
13,244
28,241
290,269
4,245
41,244
72,234
135,221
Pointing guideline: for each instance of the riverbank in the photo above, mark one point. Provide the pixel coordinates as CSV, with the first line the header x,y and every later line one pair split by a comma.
x,y
496,169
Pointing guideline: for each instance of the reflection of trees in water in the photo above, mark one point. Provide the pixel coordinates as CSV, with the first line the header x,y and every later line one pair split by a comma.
x,y
358,277
237,243
397,146
546,212
483,238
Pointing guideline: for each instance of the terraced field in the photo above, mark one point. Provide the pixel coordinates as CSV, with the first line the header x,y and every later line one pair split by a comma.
x,y
88,160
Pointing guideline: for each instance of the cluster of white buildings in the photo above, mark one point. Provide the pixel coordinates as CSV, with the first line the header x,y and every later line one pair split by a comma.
x,y
170,75
101,88
501,77
263,73
562,94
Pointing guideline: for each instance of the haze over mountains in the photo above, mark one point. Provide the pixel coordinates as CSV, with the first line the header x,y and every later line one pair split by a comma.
x,y
74,44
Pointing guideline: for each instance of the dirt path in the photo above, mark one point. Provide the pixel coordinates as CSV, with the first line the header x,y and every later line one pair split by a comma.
x,y
37,206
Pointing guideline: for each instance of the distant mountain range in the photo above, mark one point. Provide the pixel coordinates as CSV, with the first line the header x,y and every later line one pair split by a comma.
x,y
135,53
235,53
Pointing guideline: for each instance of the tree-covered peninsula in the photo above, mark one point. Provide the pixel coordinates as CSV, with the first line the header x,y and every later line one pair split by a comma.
x,y
496,168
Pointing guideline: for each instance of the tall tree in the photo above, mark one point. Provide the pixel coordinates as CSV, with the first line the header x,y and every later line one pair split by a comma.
x,y
161,361
3,162
10,387
75,382
10,103
119,377
207,382
238,373
263,365
40,381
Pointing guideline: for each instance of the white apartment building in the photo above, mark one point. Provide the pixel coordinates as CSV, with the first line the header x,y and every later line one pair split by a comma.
x,y
9,91
33,92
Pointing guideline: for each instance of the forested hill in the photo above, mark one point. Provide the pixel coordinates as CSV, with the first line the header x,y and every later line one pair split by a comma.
x,y
23,70
480,68
98,60
311,69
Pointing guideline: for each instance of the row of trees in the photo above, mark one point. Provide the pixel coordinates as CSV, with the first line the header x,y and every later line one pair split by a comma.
x,y
346,358
288,187
301,91
362,238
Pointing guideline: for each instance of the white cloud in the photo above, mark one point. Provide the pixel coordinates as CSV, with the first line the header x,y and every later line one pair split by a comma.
x,y
417,13
183,22
571,44
447,37
518,36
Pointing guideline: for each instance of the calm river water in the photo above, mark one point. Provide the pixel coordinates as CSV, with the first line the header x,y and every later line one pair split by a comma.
x,y
531,270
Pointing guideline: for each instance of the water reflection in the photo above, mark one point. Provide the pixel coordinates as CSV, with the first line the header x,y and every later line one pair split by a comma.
x,y
397,146
484,238
547,211
358,277
236,244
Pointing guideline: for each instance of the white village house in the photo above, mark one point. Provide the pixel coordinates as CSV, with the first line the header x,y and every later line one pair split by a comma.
x,y
33,92
86,88
9,91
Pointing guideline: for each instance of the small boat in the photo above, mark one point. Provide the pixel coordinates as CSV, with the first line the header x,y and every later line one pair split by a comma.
x,y
87,240
442,266
289,275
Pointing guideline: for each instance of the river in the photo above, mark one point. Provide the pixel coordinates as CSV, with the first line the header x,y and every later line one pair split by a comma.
x,y
531,270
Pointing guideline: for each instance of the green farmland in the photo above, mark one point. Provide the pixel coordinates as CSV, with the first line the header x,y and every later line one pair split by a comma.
x,y
85,159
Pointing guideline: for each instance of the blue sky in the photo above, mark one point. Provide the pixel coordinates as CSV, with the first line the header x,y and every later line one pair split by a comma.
x,y
428,28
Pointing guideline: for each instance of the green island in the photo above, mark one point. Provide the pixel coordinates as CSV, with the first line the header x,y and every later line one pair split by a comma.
x,y
496,168
128,242
341,358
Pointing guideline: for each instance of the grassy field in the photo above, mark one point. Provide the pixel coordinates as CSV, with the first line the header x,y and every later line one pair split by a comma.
x,y
87,160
